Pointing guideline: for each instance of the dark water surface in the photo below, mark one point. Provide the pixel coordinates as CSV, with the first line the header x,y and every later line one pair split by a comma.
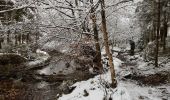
x,y
18,90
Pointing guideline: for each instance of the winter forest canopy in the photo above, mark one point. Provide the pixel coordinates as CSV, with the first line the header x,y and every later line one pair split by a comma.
x,y
85,49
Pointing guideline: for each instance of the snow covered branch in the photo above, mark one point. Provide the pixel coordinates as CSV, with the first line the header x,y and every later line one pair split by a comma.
x,y
18,8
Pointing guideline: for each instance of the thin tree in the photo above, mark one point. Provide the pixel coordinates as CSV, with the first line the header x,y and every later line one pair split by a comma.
x,y
106,43
96,38
157,35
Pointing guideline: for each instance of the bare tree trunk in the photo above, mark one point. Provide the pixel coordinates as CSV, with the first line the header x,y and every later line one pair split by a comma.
x,y
36,38
165,29
150,36
96,38
16,39
154,20
154,32
145,39
76,2
157,35
8,36
107,49
0,45
19,38
1,40
23,38
28,38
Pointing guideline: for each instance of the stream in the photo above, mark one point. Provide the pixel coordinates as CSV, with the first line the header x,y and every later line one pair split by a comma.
x,y
42,83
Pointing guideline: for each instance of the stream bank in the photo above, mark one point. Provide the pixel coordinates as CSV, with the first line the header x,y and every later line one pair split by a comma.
x,y
42,80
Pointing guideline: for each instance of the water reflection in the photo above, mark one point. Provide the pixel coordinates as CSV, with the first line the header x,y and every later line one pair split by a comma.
x,y
12,90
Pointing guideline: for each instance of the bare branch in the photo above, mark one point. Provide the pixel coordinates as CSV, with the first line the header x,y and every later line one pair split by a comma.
x,y
121,2
18,8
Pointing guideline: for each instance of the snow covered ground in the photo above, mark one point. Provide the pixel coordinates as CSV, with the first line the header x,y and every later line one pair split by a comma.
x,y
42,57
98,88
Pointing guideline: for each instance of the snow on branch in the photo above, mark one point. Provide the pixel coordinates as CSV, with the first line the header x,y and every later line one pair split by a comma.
x,y
62,7
58,26
18,8
121,2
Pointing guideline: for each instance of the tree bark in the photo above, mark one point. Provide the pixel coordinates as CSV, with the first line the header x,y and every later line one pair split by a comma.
x,y
1,41
165,28
28,38
23,38
96,38
8,36
157,35
19,38
107,49
154,24
0,45
36,37
16,39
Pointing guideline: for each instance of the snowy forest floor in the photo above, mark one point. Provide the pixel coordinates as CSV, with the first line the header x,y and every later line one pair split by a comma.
x,y
137,80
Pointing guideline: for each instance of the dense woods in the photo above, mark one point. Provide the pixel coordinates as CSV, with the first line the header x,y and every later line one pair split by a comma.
x,y
84,49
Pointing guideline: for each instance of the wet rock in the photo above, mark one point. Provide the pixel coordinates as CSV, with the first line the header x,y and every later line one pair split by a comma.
x,y
128,76
85,93
143,98
65,86
71,89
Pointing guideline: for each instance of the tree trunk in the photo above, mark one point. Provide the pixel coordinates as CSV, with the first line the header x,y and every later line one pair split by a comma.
x,y
154,24
96,38
1,40
19,38
23,37
165,28
16,39
8,36
107,49
36,37
28,37
154,32
0,45
157,35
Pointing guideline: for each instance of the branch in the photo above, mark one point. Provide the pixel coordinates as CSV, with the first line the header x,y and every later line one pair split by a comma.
x,y
62,7
18,8
57,26
124,1
56,8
